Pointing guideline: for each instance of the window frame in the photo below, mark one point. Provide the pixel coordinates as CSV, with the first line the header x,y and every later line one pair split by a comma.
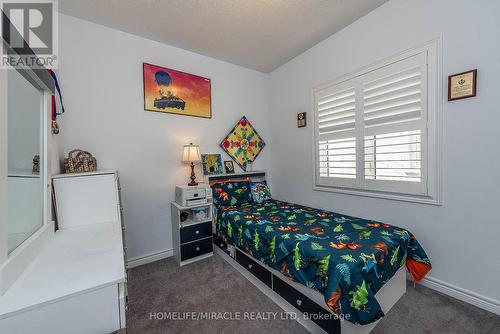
x,y
431,144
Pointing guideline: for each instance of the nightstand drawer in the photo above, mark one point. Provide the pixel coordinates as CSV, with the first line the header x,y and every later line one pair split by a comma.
x,y
252,266
197,248
195,232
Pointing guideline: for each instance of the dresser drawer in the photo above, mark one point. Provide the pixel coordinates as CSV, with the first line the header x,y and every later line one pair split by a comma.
x,y
253,267
196,248
316,313
195,232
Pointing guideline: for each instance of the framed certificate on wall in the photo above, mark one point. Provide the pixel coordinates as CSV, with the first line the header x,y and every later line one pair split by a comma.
x,y
462,85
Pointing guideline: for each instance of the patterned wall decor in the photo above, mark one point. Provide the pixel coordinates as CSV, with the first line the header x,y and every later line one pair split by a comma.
x,y
243,143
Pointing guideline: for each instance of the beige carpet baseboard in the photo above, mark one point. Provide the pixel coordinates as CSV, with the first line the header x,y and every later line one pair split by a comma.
x,y
464,295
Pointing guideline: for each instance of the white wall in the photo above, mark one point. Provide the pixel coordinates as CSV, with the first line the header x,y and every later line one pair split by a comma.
x,y
460,237
101,77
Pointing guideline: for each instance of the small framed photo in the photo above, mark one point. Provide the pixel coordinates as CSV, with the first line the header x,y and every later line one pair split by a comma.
x,y
462,85
212,164
301,120
229,167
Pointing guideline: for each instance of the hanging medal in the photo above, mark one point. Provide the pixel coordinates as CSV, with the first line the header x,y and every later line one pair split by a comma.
x,y
55,126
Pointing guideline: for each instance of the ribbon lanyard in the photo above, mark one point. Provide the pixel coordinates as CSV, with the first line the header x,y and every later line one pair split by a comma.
x,y
54,110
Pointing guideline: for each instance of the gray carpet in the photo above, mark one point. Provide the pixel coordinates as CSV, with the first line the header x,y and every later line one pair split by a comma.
x,y
212,285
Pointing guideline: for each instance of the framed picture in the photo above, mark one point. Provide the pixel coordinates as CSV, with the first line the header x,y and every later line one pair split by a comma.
x,y
301,120
229,167
175,92
462,85
212,164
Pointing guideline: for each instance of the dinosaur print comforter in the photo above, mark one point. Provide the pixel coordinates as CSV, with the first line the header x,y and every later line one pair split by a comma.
x,y
345,258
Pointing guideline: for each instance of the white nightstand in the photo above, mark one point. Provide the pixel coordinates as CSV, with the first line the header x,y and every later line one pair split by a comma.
x,y
192,237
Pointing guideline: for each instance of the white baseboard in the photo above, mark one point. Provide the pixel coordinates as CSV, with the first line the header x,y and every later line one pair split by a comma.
x,y
464,295
139,261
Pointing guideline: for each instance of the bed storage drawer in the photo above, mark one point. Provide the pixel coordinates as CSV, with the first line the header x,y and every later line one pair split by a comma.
x,y
195,232
252,266
197,248
316,313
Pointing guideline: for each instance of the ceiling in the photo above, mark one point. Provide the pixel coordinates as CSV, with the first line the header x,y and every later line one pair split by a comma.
x,y
258,34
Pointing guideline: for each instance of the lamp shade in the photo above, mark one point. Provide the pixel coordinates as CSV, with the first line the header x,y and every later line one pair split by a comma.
x,y
191,153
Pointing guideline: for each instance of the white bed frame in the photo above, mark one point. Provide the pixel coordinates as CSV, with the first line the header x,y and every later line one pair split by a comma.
x,y
387,296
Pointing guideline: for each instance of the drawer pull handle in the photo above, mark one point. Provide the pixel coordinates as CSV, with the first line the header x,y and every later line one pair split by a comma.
x,y
250,266
299,302
197,249
197,232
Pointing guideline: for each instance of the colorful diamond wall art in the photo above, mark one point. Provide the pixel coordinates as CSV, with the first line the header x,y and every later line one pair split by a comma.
x,y
243,144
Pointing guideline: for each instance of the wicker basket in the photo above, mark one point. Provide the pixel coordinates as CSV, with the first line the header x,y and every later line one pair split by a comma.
x,y
79,161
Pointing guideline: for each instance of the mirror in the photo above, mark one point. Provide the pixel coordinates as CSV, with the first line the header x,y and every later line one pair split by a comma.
x,y
25,159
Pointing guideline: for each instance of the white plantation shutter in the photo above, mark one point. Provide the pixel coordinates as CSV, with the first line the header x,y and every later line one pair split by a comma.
x,y
336,113
371,128
394,156
394,113
337,158
394,96
336,131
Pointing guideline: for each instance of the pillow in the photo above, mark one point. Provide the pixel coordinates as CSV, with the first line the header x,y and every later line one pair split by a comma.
x,y
232,193
260,191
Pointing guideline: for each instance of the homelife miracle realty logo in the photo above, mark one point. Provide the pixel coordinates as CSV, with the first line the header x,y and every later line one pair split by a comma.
x,y
29,33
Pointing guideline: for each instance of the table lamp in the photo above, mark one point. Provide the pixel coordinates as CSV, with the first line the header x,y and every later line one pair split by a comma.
x,y
191,154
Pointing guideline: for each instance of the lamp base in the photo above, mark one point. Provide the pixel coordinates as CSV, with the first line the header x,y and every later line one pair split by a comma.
x,y
193,177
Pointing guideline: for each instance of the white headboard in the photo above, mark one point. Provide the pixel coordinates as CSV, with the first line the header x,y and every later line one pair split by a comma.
x,y
254,176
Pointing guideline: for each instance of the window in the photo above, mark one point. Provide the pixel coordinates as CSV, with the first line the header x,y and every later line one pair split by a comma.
x,y
376,130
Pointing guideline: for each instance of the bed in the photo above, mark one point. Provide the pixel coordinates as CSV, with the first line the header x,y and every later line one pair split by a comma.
x,y
341,268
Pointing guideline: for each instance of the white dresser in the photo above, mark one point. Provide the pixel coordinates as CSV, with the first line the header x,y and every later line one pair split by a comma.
x,y
77,283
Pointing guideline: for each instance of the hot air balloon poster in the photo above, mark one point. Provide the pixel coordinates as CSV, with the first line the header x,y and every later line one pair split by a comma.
x,y
175,92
